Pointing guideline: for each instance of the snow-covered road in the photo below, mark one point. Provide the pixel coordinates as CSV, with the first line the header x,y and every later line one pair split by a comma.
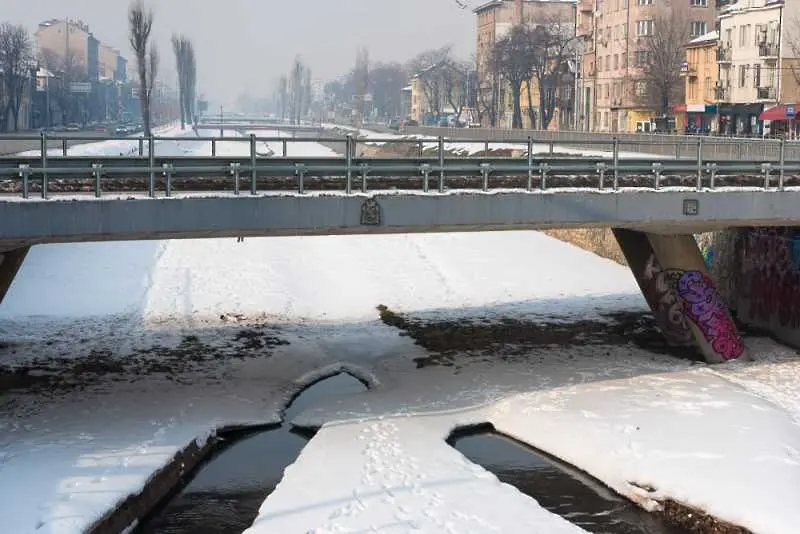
x,y
127,352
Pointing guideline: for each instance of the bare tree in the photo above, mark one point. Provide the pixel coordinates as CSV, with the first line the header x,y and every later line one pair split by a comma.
x,y
387,81
516,60
361,81
490,94
187,76
16,57
65,69
140,25
296,88
455,85
661,55
427,67
283,96
793,42
552,47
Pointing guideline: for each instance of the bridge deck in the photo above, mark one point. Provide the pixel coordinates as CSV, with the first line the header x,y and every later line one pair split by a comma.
x,y
194,215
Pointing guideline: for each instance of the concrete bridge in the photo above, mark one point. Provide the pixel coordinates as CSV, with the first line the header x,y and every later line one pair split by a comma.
x,y
654,207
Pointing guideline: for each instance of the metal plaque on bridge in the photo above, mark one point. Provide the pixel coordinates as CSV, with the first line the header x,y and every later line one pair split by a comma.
x,y
370,213
691,207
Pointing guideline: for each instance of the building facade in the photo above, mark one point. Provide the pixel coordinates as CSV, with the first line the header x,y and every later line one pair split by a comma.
x,y
699,112
615,94
494,21
757,67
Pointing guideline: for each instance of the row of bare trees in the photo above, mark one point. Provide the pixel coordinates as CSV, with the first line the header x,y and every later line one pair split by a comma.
x,y
16,64
140,22
294,94
186,63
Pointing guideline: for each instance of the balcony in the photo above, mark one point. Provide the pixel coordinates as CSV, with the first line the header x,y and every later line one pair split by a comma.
x,y
766,93
585,30
586,6
722,93
768,51
724,54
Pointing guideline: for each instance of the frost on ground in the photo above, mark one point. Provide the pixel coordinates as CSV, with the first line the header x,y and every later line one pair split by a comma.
x,y
116,356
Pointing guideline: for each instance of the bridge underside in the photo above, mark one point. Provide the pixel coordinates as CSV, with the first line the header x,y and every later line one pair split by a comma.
x,y
654,230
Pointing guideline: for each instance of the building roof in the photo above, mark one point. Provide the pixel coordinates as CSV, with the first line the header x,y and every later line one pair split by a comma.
x,y
708,38
497,3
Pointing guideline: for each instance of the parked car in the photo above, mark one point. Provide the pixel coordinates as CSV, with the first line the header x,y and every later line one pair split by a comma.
x,y
73,127
412,122
121,130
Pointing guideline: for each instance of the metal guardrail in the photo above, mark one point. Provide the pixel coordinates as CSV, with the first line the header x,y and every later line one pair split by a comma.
x,y
410,173
675,146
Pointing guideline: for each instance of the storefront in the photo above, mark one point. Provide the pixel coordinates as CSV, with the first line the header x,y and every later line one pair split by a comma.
x,y
741,119
696,118
782,121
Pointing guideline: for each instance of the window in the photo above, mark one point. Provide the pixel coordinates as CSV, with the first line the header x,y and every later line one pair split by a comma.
x,y
642,58
744,35
644,2
625,31
616,61
608,62
697,28
760,34
742,75
756,75
623,60
640,88
644,28
698,3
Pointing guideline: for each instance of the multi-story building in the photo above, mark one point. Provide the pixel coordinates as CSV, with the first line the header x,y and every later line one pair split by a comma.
x,y
699,112
494,21
615,94
69,42
757,64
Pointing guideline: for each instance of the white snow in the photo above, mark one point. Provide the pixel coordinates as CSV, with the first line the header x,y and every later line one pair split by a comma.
x,y
468,148
725,439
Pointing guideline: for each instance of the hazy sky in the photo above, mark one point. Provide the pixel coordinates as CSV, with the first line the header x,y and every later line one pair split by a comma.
x,y
247,44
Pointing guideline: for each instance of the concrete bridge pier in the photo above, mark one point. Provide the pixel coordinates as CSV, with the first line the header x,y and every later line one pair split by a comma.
x,y
675,282
10,264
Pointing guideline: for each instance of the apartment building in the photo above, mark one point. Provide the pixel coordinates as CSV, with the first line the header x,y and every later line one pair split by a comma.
x,y
73,39
615,94
758,66
494,21
699,112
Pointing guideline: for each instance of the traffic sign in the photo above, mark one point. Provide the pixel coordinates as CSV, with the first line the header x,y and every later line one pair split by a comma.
x,y
791,110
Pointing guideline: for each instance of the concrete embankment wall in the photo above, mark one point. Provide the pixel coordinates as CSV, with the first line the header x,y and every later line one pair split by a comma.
x,y
757,271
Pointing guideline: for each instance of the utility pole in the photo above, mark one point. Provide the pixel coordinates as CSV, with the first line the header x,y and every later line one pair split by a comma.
x,y
575,106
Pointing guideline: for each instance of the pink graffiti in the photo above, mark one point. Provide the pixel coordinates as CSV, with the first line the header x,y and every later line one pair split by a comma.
x,y
703,304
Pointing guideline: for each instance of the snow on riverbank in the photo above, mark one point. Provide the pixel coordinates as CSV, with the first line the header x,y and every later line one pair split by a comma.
x,y
465,148
118,146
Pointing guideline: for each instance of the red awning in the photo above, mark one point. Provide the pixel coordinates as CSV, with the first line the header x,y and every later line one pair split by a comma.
x,y
778,113
679,108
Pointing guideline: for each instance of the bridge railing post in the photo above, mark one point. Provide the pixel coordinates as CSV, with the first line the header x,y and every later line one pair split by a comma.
x,y
141,146
616,163
530,163
97,172
64,147
235,173
213,147
151,161
441,164
25,172
782,176
168,170
253,164
348,164
699,163
43,154
284,148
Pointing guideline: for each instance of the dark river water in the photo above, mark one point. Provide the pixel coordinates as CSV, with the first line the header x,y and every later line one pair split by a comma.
x,y
226,492
557,487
